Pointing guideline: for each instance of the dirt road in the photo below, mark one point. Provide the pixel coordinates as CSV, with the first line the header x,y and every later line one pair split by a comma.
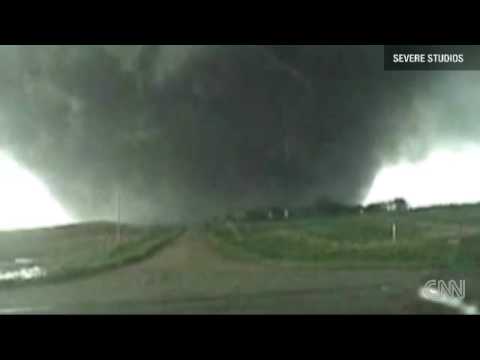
x,y
190,277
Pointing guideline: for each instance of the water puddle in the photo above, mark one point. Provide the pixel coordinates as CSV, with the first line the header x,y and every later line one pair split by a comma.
x,y
26,273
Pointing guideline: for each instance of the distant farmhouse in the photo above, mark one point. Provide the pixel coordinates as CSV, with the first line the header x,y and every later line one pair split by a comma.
x,y
396,205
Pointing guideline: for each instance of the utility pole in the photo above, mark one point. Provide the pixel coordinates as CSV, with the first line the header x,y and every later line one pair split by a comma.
x,y
117,196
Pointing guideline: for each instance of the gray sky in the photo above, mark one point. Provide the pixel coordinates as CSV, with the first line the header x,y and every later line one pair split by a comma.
x,y
193,130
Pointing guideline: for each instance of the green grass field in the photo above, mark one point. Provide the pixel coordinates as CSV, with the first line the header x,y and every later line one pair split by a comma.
x,y
425,238
442,237
73,252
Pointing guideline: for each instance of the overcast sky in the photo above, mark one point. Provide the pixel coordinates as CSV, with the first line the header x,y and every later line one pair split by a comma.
x,y
191,131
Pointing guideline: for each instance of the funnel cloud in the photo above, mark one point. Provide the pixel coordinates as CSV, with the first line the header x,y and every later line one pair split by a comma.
x,y
187,132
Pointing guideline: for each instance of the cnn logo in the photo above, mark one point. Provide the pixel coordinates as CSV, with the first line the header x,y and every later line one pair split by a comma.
x,y
437,290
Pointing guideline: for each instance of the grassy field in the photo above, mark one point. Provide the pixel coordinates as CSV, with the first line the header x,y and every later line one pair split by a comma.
x,y
258,267
71,252
441,237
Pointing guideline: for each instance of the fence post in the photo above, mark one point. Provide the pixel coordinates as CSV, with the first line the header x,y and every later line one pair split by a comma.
x,y
394,232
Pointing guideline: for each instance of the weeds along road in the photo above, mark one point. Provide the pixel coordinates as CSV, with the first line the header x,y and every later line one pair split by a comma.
x,y
189,276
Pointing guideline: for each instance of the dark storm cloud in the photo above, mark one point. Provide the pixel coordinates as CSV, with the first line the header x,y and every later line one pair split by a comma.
x,y
189,131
